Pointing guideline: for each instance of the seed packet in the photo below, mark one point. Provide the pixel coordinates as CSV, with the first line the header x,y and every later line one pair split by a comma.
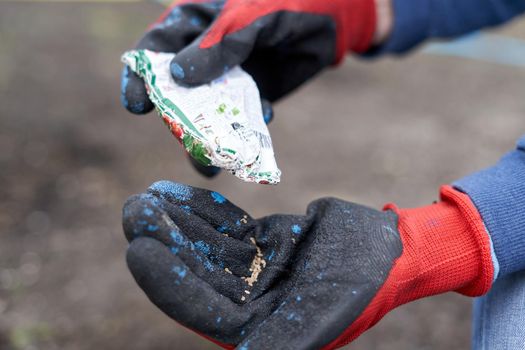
x,y
220,123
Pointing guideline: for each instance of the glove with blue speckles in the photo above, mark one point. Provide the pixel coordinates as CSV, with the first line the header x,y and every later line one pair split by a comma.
x,y
281,44
314,281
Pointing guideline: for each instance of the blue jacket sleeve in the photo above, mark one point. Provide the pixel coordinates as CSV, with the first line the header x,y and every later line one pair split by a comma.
x,y
417,20
499,195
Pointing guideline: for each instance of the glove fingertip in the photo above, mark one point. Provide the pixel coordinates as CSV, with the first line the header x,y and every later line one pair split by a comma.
x,y
133,95
267,110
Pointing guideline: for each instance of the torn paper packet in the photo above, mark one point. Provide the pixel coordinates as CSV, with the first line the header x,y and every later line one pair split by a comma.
x,y
219,124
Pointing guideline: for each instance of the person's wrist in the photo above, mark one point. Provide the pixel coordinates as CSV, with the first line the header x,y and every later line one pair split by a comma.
x,y
384,21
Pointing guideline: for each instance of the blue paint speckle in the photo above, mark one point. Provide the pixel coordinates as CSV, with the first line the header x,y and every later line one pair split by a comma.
x,y
281,306
267,115
170,190
180,272
238,223
195,21
306,265
177,237
177,71
293,317
219,319
147,212
243,332
296,229
174,17
152,228
186,208
205,262
150,199
208,266
298,298
203,247
218,198
271,255
222,229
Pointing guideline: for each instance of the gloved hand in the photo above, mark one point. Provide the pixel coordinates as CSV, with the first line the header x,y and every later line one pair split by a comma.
x,y
280,43
297,281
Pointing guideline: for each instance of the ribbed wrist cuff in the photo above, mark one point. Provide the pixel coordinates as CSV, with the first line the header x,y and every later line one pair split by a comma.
x,y
446,247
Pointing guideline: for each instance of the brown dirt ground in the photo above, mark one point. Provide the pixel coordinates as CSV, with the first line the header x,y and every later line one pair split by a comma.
x,y
392,130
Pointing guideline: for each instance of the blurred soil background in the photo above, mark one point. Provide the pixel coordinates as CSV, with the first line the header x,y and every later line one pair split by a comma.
x,y
371,132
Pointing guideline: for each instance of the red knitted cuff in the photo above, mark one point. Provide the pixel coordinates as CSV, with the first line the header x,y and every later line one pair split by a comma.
x,y
445,248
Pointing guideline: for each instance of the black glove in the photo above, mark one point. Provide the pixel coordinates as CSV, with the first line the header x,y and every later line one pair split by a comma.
x,y
210,266
176,29
298,281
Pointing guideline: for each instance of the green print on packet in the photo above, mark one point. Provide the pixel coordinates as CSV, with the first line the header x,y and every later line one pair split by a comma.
x,y
219,124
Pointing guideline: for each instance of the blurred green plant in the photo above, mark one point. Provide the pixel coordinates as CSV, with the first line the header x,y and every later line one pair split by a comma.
x,y
23,337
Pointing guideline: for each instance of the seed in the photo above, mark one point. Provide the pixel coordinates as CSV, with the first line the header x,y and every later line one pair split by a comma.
x,y
257,265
